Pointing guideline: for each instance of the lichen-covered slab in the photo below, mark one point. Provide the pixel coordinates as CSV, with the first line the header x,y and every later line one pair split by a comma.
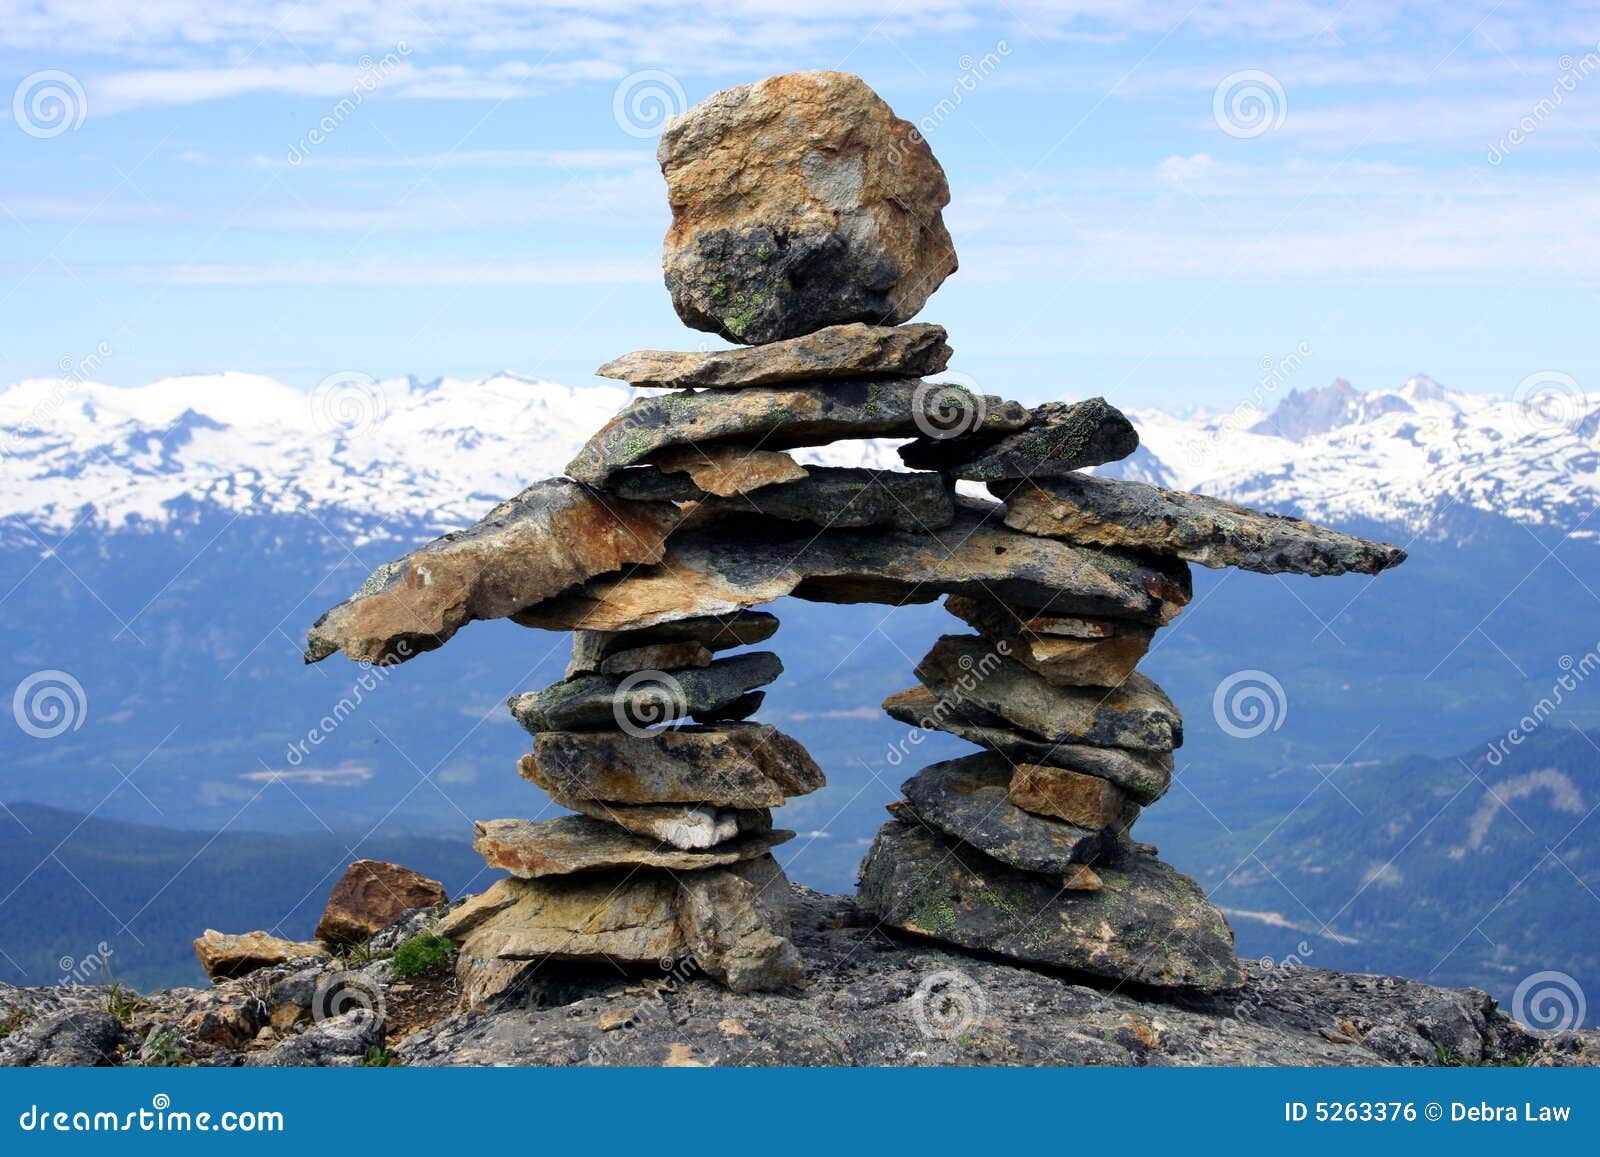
x,y
967,670
775,418
643,698
967,798
722,568
1060,437
550,537
736,765
1146,925
798,202
687,826
837,351
838,497
567,844
1209,531
1144,775
1069,651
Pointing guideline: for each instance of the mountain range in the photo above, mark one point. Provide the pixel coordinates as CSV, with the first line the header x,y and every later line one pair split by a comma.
x,y
163,548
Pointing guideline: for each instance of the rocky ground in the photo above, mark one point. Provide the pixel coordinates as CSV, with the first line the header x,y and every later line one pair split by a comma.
x,y
869,1000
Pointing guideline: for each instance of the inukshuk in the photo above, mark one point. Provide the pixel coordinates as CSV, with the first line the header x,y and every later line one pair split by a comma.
x,y
807,226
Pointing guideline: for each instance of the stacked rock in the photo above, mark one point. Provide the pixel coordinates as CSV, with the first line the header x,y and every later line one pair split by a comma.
x,y
807,218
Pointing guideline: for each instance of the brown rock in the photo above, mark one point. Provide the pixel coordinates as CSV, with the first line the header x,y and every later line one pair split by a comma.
x,y
1082,878
726,471
569,844
1143,775
1080,799
372,894
225,956
718,569
687,826
656,657
1208,531
551,536
839,351
627,916
590,649
780,418
799,202
737,765
1067,651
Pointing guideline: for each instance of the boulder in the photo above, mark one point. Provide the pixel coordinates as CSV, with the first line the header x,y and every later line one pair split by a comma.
x,y
838,351
800,202
727,567
969,672
1209,531
569,844
627,916
1059,437
1068,651
1085,800
643,698
777,418
735,924
551,536
966,799
727,471
1147,925
837,497
68,1038
372,893
225,955
732,765
1143,775
687,826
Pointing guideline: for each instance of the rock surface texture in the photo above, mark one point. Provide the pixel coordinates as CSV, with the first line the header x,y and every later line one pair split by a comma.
x,y
806,224
797,203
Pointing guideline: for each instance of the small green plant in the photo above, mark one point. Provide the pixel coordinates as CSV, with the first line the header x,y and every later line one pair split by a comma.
x,y
163,1049
364,952
122,1002
379,1057
422,954
12,1022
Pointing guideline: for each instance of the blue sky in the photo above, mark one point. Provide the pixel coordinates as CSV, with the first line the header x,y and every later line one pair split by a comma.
x,y
1125,226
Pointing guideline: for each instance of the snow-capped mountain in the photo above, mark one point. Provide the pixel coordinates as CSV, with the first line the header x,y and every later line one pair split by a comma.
x,y
437,454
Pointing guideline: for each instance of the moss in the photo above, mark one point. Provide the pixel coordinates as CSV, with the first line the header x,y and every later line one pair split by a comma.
x,y
422,954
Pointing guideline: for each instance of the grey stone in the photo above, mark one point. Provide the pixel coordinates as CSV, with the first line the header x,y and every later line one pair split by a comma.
x,y
643,698
1060,437
838,351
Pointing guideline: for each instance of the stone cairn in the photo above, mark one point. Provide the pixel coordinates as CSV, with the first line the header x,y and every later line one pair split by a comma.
x,y
806,225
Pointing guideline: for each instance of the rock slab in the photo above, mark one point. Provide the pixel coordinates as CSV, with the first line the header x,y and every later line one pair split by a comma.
x,y
837,351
